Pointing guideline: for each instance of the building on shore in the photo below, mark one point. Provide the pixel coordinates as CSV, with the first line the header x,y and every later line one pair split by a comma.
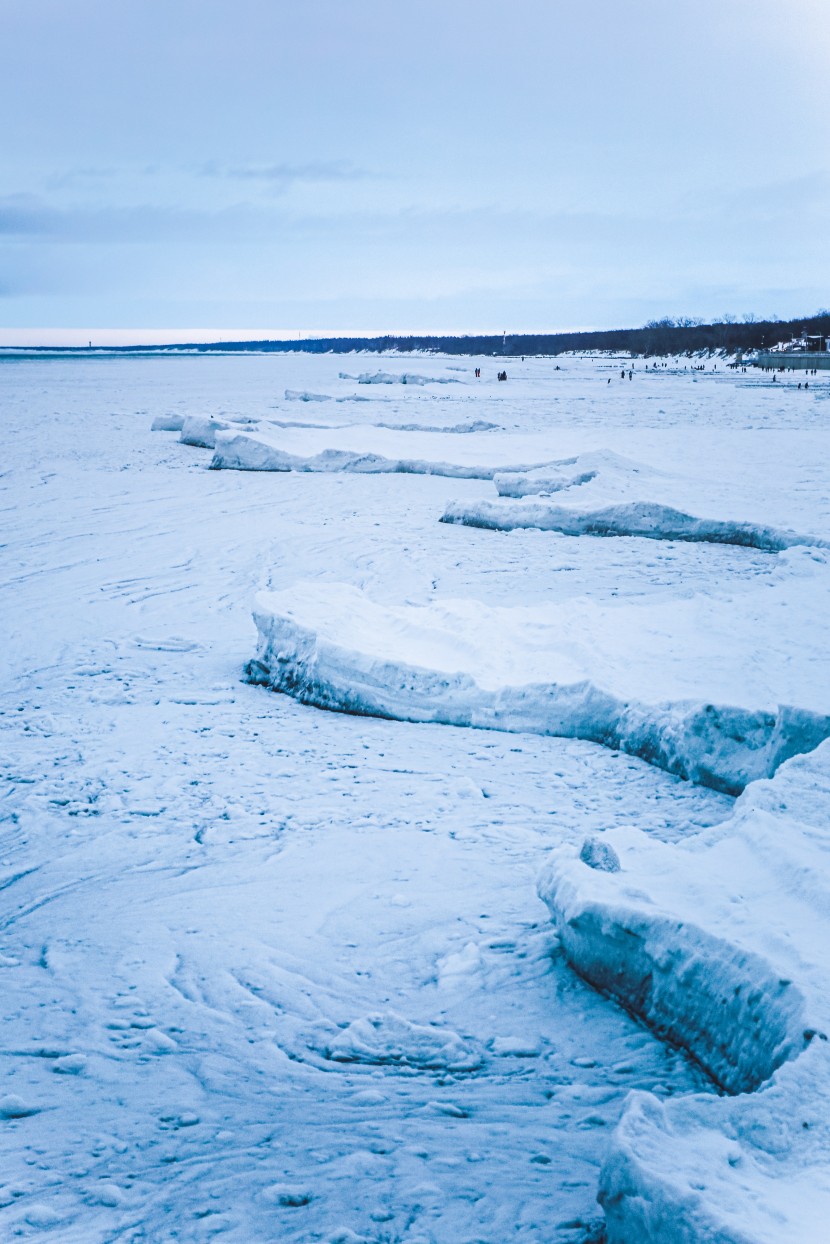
x,y
801,354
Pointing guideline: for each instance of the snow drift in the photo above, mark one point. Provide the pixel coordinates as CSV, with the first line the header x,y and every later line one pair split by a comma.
x,y
463,664
722,945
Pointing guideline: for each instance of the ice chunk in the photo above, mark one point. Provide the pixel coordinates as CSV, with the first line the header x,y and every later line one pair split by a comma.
x,y
722,945
386,1038
608,494
369,450
636,518
598,854
645,691
385,377
167,423
201,430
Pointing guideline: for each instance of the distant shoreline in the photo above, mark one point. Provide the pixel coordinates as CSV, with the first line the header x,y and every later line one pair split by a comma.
x,y
660,338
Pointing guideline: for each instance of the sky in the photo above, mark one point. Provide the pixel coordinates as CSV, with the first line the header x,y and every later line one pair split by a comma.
x,y
352,166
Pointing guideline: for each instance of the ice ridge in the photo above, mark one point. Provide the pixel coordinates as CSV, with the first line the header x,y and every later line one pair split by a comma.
x,y
245,452
721,944
647,519
722,747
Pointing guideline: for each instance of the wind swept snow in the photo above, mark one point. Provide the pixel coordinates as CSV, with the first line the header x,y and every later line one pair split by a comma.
x,y
271,973
384,1039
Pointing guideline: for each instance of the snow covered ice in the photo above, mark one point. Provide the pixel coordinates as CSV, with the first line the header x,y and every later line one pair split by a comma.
x,y
743,986
275,973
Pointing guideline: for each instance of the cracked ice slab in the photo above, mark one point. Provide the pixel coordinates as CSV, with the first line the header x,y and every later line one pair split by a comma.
x,y
605,494
385,377
201,430
676,682
639,518
722,945
374,449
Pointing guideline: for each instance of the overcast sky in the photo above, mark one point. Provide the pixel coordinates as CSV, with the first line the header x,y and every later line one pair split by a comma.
x,y
352,165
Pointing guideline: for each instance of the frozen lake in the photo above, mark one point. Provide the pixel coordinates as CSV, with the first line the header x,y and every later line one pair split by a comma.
x,y
273,973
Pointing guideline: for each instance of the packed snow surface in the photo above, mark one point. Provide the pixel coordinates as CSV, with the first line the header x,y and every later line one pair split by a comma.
x,y
278,974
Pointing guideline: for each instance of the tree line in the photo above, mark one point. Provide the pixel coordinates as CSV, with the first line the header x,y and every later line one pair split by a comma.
x,y
658,337
664,336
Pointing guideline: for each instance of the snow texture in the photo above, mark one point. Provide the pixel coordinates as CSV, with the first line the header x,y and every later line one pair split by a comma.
x,y
382,1039
477,425
271,973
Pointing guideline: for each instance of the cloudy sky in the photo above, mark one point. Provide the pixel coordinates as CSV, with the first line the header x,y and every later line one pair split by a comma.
x,y
442,165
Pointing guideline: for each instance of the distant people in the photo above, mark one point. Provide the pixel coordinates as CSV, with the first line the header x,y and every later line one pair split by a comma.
x,y
630,374
806,384
502,375
622,374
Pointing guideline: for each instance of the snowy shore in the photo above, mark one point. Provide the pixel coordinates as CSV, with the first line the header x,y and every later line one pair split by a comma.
x,y
274,973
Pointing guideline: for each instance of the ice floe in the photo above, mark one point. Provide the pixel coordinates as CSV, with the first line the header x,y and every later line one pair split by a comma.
x,y
610,495
722,945
167,423
363,449
637,518
712,712
201,430
385,377
302,395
